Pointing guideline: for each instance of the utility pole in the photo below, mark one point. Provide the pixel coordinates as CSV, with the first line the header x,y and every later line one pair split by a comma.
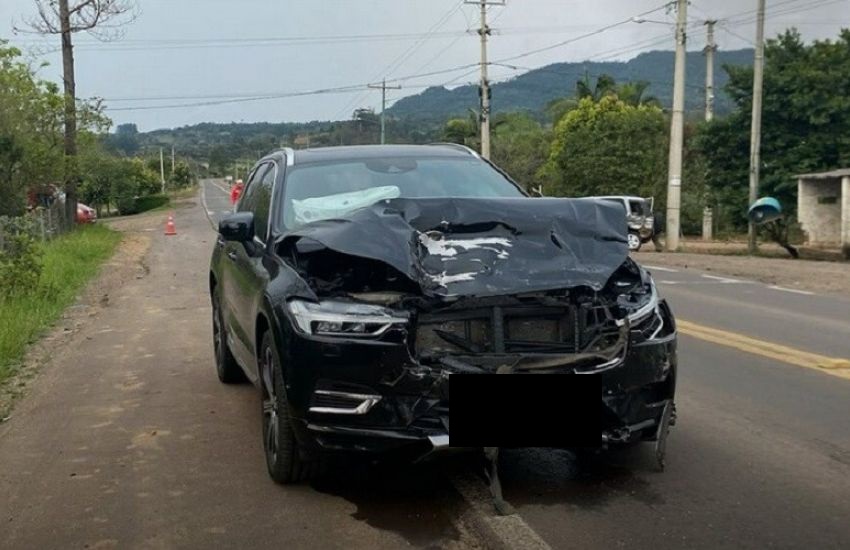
x,y
484,90
383,87
709,50
755,138
172,160
162,169
70,114
677,131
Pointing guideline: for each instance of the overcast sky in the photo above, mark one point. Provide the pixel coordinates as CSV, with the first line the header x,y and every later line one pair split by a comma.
x,y
187,51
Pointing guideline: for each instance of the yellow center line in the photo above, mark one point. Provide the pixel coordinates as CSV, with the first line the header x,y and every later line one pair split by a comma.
x,y
831,365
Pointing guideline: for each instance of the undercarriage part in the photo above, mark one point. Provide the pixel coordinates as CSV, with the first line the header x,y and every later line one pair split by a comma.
x,y
491,471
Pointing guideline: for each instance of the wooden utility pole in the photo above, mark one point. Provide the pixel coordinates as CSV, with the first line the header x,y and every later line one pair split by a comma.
x,y
383,87
484,88
71,177
755,137
677,132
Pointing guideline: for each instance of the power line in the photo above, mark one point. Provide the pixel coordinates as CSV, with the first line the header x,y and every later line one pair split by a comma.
x,y
396,63
583,36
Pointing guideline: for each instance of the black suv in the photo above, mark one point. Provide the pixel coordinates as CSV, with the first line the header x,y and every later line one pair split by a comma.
x,y
351,282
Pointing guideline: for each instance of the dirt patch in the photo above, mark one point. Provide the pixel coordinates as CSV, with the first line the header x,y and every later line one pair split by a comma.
x,y
125,265
817,276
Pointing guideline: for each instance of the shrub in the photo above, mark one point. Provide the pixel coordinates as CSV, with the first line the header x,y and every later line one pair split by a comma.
x,y
20,266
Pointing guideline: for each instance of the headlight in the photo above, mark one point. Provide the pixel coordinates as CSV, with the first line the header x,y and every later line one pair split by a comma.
x,y
349,319
640,304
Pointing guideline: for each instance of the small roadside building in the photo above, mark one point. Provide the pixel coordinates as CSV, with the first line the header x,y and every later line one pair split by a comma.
x,y
823,208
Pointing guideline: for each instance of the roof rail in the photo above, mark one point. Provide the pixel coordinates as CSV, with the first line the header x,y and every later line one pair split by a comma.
x,y
456,146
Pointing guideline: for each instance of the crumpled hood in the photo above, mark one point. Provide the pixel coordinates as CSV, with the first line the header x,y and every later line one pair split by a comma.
x,y
482,247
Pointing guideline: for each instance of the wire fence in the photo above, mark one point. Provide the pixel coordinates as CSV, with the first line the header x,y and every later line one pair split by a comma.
x,y
42,223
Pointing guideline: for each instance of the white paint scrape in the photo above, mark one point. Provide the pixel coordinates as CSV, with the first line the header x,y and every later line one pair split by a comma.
x,y
450,247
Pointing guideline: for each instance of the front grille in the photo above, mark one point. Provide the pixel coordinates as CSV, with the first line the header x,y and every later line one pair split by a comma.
x,y
568,329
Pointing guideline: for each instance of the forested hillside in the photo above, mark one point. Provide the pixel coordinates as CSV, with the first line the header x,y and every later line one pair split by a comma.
x,y
532,90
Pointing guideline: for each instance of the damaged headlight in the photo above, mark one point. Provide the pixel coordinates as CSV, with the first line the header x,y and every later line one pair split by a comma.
x,y
349,319
642,305
643,309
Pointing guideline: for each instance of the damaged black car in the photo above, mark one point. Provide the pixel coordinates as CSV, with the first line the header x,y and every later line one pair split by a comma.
x,y
351,283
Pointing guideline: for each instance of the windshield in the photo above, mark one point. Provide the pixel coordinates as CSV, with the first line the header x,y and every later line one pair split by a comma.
x,y
323,191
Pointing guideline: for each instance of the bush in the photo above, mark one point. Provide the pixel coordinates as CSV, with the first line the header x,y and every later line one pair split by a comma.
x,y
20,266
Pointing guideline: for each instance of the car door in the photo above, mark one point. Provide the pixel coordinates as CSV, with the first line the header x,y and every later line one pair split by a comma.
x,y
250,274
232,281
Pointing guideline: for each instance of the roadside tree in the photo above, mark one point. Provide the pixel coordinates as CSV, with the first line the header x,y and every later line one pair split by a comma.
x,y
608,147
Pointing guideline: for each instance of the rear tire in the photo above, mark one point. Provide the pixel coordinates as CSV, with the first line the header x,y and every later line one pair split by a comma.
x,y
228,370
283,454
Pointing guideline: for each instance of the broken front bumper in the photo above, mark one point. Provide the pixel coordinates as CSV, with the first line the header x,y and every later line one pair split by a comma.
x,y
373,396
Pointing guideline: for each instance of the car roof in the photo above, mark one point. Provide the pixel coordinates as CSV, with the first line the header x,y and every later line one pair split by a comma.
x,y
355,152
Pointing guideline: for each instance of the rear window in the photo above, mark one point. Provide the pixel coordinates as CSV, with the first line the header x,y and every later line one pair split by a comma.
x,y
316,192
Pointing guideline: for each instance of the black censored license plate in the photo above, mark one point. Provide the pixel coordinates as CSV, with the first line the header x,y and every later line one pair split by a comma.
x,y
525,410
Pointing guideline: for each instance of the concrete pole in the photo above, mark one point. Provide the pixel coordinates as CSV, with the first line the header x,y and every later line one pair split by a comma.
x,y
484,32
172,160
755,138
710,48
162,169
383,86
677,131
845,217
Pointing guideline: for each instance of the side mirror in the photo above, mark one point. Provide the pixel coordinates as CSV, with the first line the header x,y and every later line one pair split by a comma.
x,y
237,227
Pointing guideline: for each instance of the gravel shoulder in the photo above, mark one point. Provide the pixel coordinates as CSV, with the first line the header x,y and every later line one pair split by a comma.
x,y
829,277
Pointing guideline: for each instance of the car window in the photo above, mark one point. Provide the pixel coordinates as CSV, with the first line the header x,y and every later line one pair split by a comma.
x,y
325,190
262,201
636,208
247,201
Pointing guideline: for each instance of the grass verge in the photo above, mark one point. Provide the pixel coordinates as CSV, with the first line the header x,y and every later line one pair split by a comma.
x,y
68,263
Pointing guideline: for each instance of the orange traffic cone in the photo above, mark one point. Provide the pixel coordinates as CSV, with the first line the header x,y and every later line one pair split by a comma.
x,y
170,229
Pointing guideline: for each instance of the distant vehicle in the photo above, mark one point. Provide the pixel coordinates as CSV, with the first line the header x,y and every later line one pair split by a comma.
x,y
86,214
351,282
639,218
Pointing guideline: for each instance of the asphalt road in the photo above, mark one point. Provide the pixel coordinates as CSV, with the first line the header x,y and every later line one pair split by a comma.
x,y
129,441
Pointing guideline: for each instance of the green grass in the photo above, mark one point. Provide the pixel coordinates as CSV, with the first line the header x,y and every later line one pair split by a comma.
x,y
68,263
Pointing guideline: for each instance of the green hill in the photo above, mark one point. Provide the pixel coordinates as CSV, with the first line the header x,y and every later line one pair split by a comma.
x,y
532,90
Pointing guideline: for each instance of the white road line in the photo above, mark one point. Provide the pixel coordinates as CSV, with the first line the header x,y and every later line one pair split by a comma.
x,y
226,192
658,268
667,282
207,210
792,290
724,280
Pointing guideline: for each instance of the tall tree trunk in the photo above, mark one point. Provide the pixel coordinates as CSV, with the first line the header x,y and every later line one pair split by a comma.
x,y
70,172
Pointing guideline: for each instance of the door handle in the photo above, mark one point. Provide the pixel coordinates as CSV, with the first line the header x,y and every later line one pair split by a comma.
x,y
231,255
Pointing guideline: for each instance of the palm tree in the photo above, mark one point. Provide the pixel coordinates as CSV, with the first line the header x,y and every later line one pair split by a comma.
x,y
634,94
605,85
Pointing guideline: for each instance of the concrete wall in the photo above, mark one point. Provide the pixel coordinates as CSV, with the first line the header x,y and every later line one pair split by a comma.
x,y
821,222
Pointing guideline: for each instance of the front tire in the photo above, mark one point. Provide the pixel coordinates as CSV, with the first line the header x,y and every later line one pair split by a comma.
x,y
226,367
283,456
634,242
